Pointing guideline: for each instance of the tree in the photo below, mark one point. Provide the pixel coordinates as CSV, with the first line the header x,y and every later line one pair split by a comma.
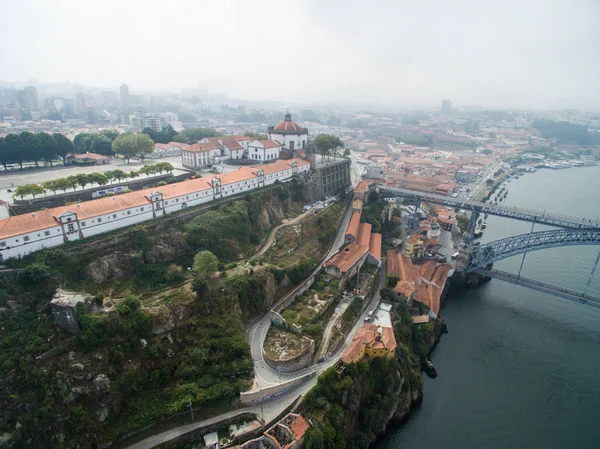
x,y
133,174
151,133
130,145
97,178
29,189
326,144
47,147
205,264
30,147
4,154
256,136
73,181
51,185
111,134
63,145
193,135
14,149
100,144
62,184
163,166
81,143
82,179
119,174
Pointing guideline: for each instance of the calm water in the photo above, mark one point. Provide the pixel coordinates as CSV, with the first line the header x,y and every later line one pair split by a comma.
x,y
519,368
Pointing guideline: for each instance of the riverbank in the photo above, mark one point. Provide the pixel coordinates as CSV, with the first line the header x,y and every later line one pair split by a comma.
x,y
517,368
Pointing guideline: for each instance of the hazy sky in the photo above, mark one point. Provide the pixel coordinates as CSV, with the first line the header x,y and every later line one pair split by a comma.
x,y
526,53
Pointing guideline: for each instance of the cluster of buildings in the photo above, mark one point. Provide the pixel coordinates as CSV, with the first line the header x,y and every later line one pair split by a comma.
x,y
23,234
374,339
288,433
361,245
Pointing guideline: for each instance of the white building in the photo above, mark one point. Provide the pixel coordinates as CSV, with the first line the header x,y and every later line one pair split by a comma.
x,y
264,150
289,134
167,150
24,234
201,154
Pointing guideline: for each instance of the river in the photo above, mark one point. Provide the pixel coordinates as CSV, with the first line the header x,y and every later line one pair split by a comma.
x,y
519,368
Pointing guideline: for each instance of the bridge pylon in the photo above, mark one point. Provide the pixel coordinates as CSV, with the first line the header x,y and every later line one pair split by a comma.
x,y
470,231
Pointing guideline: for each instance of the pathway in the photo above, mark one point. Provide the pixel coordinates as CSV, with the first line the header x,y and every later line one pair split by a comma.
x,y
335,318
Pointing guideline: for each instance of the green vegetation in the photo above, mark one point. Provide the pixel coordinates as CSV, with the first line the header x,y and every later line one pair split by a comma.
x,y
327,145
130,145
463,222
414,139
82,179
565,132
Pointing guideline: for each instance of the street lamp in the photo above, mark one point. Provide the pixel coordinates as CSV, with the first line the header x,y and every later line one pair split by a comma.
x,y
191,410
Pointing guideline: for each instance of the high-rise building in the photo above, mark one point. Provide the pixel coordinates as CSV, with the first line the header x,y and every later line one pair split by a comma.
x,y
124,90
446,107
34,100
153,122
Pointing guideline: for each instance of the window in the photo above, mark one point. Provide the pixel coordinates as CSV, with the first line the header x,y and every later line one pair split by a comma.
x,y
128,212
2,244
26,238
99,220
114,215
141,209
47,233
70,227
83,223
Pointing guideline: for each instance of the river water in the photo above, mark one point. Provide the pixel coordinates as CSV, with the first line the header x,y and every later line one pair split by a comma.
x,y
519,368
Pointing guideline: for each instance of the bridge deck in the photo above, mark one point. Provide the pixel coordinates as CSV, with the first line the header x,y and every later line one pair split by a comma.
x,y
561,221
566,293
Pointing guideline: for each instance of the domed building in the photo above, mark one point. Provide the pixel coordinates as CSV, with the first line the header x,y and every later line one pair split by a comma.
x,y
289,134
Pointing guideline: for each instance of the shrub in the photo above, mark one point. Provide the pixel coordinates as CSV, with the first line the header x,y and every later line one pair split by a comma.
x,y
162,183
153,351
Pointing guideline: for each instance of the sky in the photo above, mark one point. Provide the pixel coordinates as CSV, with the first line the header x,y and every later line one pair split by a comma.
x,y
539,54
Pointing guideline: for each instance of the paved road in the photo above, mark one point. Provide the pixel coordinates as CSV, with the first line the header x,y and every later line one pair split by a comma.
x,y
264,374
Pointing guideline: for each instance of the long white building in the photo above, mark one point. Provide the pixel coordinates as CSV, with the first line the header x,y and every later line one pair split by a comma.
x,y
24,234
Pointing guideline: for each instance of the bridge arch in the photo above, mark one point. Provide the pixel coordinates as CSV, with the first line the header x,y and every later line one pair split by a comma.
x,y
487,253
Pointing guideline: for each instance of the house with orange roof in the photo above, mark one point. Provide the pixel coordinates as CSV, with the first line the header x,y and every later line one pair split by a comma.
x,y
287,433
97,159
424,283
371,340
167,150
201,154
414,246
352,229
24,234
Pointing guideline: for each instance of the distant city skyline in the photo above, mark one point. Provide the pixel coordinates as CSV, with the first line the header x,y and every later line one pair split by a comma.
x,y
536,54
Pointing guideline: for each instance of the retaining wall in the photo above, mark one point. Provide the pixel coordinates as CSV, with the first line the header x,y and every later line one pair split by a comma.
x,y
263,394
294,364
35,204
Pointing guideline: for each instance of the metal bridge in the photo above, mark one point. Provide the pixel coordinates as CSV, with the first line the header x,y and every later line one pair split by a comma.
x,y
572,231
515,213
566,293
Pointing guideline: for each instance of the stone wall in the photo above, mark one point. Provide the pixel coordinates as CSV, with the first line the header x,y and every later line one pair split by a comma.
x,y
263,394
293,364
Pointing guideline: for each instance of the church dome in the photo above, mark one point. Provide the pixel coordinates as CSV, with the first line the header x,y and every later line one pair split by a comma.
x,y
288,125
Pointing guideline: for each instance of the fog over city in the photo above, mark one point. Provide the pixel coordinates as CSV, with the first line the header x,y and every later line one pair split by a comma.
x,y
532,54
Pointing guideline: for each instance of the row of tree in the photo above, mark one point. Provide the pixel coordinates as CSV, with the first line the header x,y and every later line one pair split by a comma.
x,y
20,148
83,179
327,145
189,136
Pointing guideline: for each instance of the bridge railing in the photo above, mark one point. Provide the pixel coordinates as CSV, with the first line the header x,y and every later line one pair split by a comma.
x,y
544,285
548,218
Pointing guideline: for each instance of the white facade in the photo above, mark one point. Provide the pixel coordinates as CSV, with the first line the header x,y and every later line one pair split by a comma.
x,y
24,234
264,150
290,141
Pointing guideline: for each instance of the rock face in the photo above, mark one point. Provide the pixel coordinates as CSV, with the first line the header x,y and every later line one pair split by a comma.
x,y
111,266
64,308
102,384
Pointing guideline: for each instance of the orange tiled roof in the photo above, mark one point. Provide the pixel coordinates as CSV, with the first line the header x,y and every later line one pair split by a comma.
x,y
362,186
269,143
353,224
199,147
232,144
44,219
346,258
375,245
299,427
93,156
352,351
364,234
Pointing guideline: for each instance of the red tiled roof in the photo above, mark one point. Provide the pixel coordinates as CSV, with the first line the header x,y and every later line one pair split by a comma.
x,y
362,186
346,258
352,351
231,143
199,147
364,234
94,156
43,219
375,245
299,427
287,126
269,143
353,224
